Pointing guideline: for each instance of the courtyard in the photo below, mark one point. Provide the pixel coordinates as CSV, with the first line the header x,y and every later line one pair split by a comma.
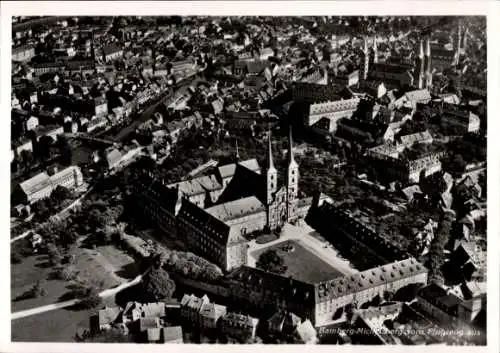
x,y
301,263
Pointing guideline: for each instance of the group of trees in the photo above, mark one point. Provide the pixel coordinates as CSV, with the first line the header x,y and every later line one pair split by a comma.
x,y
190,265
435,256
468,149
157,284
271,261
36,291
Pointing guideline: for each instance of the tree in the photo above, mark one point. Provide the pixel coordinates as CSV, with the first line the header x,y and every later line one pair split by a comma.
x,y
54,254
89,296
26,158
60,194
66,273
38,290
270,261
64,149
43,146
157,284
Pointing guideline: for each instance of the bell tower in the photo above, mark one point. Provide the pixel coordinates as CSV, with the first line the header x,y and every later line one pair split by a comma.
x,y
292,180
420,67
270,172
365,61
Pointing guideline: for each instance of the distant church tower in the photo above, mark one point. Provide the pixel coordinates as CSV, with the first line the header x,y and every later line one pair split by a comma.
x,y
292,179
420,67
428,65
271,173
375,50
464,42
365,61
459,44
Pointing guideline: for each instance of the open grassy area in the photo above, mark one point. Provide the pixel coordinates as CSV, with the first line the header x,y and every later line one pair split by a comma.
x,y
53,326
302,264
105,264
25,274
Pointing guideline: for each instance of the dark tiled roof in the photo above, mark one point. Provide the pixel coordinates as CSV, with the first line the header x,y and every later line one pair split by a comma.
x,y
111,49
204,221
259,280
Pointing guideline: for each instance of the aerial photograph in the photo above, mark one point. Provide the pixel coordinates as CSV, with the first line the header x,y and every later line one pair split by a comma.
x,y
249,180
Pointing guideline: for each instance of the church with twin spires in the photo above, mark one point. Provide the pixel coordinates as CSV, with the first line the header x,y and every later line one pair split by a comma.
x,y
216,214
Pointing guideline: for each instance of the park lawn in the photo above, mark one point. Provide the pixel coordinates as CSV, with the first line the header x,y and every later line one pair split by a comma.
x,y
59,325
125,265
302,264
35,268
23,277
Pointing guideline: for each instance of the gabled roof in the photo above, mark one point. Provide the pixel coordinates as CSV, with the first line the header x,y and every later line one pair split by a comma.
x,y
228,170
111,49
371,278
236,209
256,66
212,311
287,287
418,95
35,183
240,320
416,138
197,186
153,309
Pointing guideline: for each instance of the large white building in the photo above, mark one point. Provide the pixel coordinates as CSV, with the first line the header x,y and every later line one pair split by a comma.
x,y
41,186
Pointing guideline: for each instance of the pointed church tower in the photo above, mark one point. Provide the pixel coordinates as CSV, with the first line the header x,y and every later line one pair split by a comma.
x,y
459,44
292,179
464,42
375,50
270,172
428,66
237,153
365,61
420,72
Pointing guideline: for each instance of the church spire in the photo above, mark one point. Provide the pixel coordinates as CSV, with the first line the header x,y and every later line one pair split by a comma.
x,y
269,159
375,51
421,52
291,159
237,152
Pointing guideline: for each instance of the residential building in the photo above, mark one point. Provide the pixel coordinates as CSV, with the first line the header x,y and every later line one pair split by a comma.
x,y
210,313
31,123
324,116
460,118
100,106
446,307
112,52
107,317
42,185
23,53
191,306
238,326
47,67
